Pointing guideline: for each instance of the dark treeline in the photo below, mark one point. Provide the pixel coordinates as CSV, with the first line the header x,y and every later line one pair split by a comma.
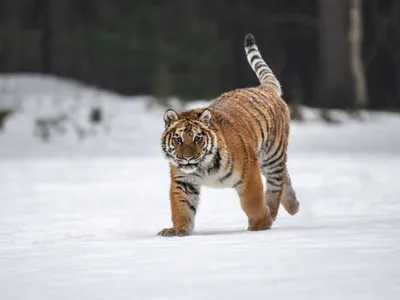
x,y
194,48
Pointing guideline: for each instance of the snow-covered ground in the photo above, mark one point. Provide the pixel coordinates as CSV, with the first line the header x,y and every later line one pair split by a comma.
x,y
78,218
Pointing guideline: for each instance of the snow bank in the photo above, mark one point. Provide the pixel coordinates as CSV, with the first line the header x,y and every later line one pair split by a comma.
x,y
132,125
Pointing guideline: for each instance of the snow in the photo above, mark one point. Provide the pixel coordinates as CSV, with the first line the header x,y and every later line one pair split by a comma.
x,y
78,218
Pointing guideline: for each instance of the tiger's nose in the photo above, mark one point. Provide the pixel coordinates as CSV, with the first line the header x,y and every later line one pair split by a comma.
x,y
188,157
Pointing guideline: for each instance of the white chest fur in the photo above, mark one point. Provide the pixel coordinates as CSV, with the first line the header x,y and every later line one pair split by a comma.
x,y
217,180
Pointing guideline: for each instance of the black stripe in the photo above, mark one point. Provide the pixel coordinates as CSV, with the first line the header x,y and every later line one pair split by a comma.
x,y
169,137
246,154
273,163
283,109
277,160
192,189
269,181
191,207
264,71
252,133
243,146
258,99
211,139
251,50
198,175
215,164
182,189
268,147
277,177
258,121
225,121
272,128
187,187
182,177
229,174
168,155
272,157
237,183
280,149
166,139
219,116
202,171
261,113
275,132
269,125
276,156
209,142
258,65
276,170
165,143
206,143
225,177
257,56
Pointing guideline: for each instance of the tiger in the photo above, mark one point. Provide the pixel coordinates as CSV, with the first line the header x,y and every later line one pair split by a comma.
x,y
235,141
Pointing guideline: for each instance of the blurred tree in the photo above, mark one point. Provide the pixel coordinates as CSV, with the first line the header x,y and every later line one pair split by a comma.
x,y
356,59
12,35
336,83
194,49
56,46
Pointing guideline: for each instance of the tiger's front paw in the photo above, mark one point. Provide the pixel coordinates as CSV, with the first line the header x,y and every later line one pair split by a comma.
x,y
263,223
174,232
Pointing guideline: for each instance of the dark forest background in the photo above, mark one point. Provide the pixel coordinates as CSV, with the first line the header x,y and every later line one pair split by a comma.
x,y
326,53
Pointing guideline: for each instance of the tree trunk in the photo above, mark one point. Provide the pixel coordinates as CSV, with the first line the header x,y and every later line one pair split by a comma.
x,y
336,82
357,68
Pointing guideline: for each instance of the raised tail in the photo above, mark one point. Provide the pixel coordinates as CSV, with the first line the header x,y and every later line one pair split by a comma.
x,y
263,72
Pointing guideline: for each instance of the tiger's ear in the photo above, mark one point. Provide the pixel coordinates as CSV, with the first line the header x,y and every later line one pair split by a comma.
x,y
205,116
170,116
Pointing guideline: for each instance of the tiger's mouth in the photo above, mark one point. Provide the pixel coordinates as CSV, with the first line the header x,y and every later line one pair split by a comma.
x,y
191,162
188,166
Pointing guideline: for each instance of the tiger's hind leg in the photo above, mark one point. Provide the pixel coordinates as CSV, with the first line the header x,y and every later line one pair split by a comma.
x,y
250,191
289,199
273,167
279,190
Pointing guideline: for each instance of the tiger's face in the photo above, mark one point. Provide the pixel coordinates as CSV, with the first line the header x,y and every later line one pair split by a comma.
x,y
187,139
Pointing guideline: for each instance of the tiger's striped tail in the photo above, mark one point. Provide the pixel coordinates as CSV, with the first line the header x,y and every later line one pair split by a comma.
x,y
263,72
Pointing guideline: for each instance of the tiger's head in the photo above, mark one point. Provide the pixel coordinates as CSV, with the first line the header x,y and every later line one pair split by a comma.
x,y
188,142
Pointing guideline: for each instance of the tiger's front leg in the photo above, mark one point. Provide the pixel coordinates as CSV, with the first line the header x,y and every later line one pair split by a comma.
x,y
184,198
252,200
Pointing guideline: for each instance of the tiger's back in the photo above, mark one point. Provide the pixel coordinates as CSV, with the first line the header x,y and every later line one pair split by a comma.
x,y
257,113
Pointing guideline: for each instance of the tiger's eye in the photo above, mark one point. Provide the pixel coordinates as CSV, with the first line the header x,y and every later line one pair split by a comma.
x,y
178,140
197,139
